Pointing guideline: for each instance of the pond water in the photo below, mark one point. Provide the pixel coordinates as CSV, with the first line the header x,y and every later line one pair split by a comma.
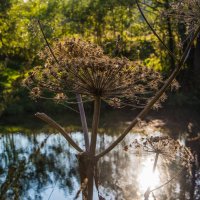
x,y
39,164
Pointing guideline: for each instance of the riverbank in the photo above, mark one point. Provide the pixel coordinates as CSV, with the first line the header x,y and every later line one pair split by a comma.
x,y
174,120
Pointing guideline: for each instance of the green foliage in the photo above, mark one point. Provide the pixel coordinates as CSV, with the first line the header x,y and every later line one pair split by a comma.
x,y
116,25
153,62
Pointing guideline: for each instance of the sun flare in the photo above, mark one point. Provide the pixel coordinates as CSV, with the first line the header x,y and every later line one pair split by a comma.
x,y
146,177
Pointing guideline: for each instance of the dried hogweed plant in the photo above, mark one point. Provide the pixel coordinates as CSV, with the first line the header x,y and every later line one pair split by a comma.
x,y
75,67
170,150
84,69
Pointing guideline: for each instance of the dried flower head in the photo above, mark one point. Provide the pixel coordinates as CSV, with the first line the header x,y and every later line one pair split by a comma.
x,y
60,97
187,11
35,92
170,149
84,69
175,85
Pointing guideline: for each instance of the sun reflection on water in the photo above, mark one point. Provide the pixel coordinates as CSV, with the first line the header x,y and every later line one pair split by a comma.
x,y
123,175
146,177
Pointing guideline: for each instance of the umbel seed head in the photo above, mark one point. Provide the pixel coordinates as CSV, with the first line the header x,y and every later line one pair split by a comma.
x,y
168,148
83,68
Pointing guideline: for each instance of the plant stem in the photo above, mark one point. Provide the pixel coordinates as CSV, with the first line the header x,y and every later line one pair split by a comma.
x,y
55,125
83,121
90,181
174,177
45,38
95,123
155,162
154,32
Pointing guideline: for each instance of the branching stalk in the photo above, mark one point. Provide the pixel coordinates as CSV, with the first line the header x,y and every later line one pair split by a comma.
x,y
155,162
45,38
154,32
83,121
55,125
154,99
95,123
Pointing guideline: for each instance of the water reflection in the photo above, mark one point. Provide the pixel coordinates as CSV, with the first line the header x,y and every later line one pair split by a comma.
x,y
147,178
35,166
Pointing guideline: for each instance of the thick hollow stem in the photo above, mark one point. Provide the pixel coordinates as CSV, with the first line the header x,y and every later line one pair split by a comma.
x,y
83,121
90,180
95,123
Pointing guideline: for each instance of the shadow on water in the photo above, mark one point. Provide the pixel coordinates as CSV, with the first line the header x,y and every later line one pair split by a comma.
x,y
38,164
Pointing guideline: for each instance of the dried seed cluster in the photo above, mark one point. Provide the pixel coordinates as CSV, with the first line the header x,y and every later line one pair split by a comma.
x,y
83,68
165,146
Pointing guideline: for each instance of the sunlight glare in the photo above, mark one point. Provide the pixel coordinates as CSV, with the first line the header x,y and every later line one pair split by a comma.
x,y
146,177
